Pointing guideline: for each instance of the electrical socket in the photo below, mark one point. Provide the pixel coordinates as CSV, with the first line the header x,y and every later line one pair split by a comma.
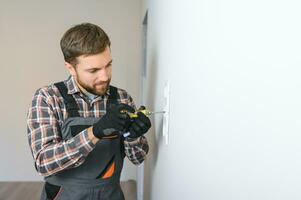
x,y
166,114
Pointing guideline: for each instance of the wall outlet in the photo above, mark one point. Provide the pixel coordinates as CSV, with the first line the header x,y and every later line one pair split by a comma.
x,y
166,114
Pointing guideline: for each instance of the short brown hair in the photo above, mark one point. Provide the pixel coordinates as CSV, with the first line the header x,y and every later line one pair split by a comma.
x,y
83,39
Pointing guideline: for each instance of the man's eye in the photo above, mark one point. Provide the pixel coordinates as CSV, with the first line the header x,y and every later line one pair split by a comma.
x,y
92,71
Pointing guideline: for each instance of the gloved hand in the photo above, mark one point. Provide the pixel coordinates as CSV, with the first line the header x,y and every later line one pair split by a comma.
x,y
113,121
140,125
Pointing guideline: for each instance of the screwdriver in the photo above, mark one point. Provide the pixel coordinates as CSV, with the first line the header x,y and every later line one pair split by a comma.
x,y
134,115
146,112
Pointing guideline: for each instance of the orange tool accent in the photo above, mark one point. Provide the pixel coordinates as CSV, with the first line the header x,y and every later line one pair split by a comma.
x,y
110,171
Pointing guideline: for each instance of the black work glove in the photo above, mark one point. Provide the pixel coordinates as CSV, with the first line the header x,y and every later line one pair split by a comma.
x,y
140,125
113,121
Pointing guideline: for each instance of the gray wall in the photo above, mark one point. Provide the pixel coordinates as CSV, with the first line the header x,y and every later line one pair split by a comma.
x,y
234,72
31,58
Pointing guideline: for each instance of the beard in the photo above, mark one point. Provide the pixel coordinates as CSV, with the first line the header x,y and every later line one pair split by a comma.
x,y
98,89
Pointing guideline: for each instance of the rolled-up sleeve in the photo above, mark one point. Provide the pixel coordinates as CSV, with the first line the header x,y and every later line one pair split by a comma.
x,y
50,152
136,149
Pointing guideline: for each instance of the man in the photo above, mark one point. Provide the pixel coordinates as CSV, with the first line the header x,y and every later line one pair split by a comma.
x,y
77,128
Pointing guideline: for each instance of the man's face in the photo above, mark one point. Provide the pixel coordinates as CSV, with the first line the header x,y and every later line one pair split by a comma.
x,y
93,73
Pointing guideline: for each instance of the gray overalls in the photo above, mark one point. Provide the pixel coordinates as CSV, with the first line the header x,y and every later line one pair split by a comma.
x,y
89,181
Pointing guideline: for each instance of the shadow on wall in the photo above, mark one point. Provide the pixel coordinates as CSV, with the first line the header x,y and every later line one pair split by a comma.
x,y
154,137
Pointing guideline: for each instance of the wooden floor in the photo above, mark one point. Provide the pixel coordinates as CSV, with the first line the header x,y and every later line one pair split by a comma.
x,y
32,190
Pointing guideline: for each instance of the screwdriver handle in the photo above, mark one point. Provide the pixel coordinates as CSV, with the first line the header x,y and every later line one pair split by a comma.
x,y
134,115
144,111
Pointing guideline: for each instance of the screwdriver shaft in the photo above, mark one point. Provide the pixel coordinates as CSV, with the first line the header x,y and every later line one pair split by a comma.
x,y
157,112
146,112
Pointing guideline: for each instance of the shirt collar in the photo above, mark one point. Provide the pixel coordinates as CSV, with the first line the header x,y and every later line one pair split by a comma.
x,y
73,87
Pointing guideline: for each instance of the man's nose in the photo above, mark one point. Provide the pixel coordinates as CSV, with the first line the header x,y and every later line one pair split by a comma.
x,y
104,75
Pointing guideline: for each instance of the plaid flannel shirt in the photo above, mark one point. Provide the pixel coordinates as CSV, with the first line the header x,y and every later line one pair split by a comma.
x,y
45,118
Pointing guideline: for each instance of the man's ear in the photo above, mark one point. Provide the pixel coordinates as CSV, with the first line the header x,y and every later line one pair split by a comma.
x,y
70,69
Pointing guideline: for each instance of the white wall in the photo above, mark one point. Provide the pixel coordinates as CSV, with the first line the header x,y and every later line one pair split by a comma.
x,y
234,69
30,32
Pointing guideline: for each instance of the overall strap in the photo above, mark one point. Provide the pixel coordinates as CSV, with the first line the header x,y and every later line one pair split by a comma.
x,y
113,100
71,105
113,96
